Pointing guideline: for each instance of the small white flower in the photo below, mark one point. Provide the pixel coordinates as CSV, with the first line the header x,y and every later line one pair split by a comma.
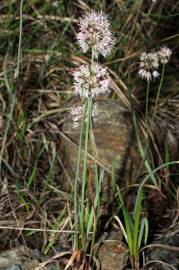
x,y
164,55
148,66
91,83
94,110
77,113
55,3
155,74
95,33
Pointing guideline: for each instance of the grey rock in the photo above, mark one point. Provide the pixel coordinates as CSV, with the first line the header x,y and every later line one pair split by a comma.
x,y
21,258
166,249
115,140
14,267
111,251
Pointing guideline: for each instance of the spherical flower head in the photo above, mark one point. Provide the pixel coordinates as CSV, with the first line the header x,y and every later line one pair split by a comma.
x,y
164,55
95,33
91,82
148,66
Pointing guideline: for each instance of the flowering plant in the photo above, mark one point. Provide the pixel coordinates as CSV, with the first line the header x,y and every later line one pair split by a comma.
x,y
149,64
90,82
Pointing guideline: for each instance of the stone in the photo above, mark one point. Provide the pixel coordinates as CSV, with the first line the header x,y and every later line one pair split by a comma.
x,y
115,140
165,249
21,258
111,252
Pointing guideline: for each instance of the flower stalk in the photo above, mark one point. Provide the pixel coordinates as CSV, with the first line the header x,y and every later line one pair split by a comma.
x,y
90,82
147,101
159,90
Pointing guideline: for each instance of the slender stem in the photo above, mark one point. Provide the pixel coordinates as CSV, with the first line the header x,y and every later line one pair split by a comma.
x,y
82,213
159,90
92,59
95,204
147,101
86,125
94,152
76,181
20,41
87,138
95,208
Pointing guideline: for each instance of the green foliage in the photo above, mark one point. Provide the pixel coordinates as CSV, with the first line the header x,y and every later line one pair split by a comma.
x,y
86,206
135,228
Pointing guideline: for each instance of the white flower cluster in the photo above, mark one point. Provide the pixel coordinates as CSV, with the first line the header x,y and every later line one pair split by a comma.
x,y
164,55
149,63
148,66
77,113
91,81
95,32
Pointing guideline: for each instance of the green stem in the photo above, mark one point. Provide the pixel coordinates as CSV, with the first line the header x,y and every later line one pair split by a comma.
x,y
95,204
81,209
82,213
147,101
159,90
92,58
76,181
20,41
94,153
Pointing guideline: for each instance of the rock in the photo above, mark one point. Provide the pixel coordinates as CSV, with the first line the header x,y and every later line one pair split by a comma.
x,y
21,258
111,252
12,259
15,267
115,140
112,256
165,249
